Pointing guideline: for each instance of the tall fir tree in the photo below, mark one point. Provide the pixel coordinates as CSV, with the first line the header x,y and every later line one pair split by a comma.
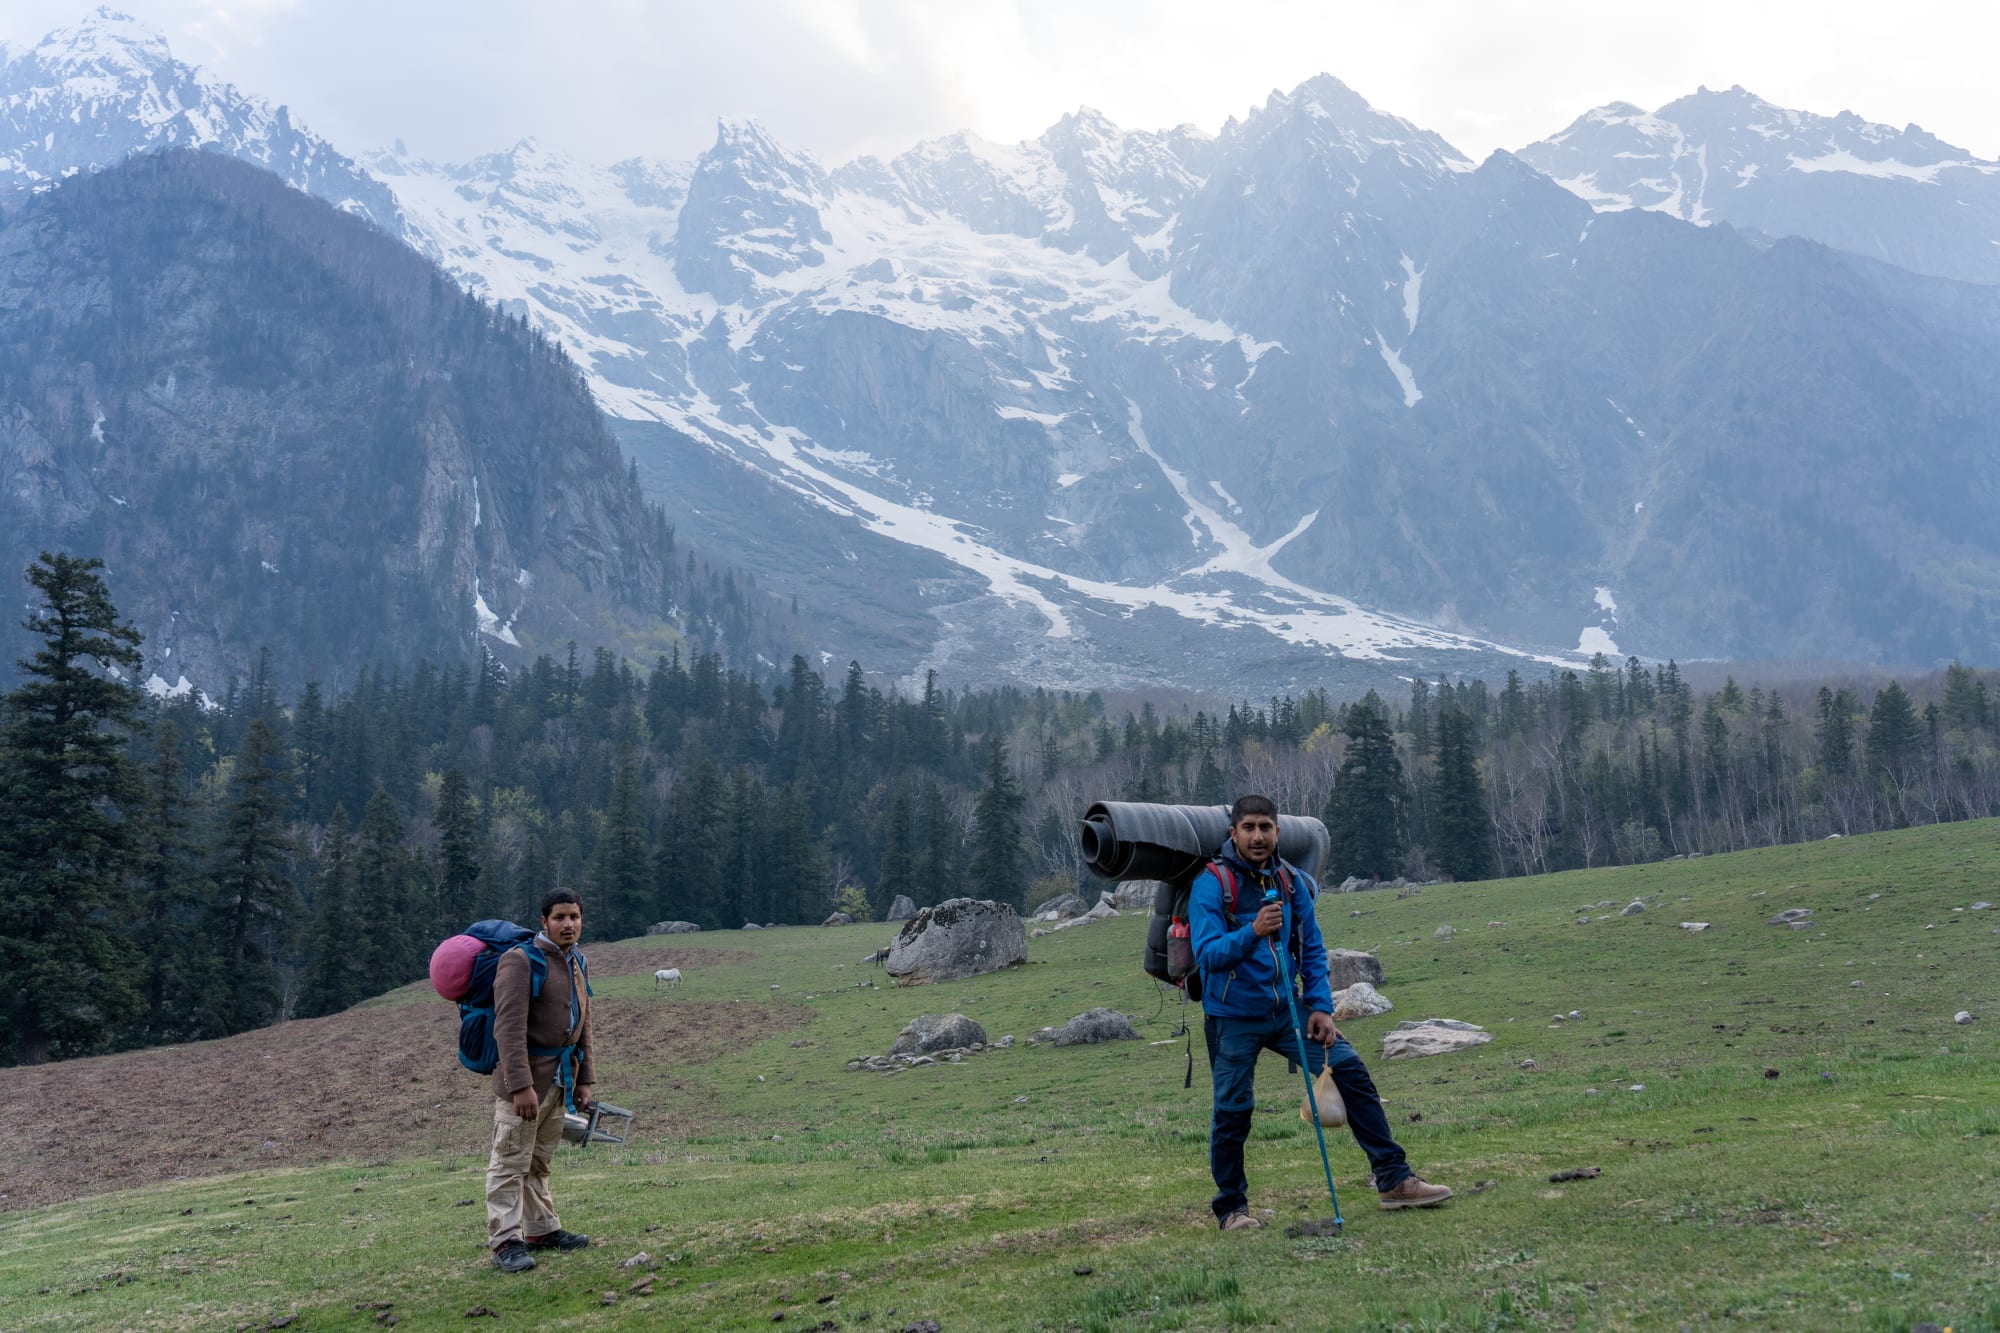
x,y
170,896
67,794
1461,828
999,853
896,838
255,908
336,974
456,822
618,878
1366,817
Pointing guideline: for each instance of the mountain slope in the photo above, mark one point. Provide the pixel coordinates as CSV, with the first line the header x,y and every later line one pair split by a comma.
x,y
279,426
1901,196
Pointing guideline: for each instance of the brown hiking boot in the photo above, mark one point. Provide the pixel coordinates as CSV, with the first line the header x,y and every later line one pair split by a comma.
x,y
1414,1192
1242,1220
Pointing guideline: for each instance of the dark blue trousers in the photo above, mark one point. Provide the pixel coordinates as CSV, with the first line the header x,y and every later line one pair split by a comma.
x,y
1233,1047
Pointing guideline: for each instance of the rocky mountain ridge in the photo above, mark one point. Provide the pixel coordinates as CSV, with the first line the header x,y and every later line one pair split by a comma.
x,y
1115,406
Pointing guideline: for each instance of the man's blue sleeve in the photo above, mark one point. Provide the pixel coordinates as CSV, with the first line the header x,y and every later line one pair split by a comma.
x,y
1217,948
1312,947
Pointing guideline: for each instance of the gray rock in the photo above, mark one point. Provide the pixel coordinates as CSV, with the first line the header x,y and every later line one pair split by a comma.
x,y
902,909
1432,1036
1063,905
1094,1026
751,925
1443,933
1790,915
1360,1000
672,928
1354,884
1962,1017
1135,895
838,919
1633,908
1694,927
1103,912
929,1033
1980,907
960,937
1346,966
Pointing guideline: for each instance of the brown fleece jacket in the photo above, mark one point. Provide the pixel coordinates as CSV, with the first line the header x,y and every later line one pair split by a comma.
x,y
521,1021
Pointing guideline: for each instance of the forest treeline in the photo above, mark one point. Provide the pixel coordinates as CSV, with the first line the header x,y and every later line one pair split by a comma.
x,y
179,869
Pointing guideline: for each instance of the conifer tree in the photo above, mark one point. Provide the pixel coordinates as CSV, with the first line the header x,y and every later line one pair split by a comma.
x,y
1366,815
617,878
385,897
1000,860
336,965
943,844
255,907
67,791
170,895
897,840
1461,829
458,854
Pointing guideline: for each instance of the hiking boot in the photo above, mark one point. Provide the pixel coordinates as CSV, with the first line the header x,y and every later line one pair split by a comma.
x,y
513,1257
569,1240
1242,1220
1414,1192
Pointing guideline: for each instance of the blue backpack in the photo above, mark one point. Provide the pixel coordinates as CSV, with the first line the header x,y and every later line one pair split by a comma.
x,y
477,1049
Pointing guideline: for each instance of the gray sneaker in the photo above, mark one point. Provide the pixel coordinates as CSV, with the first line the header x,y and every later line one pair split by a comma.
x,y
1242,1220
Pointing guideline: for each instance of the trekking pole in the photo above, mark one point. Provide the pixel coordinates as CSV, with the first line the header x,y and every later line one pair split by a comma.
x,y
1305,1066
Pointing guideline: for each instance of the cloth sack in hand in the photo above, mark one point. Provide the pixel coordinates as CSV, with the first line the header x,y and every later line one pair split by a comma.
x,y
1325,1103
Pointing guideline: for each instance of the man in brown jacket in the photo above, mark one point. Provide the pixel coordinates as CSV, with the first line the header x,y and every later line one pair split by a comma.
x,y
544,1046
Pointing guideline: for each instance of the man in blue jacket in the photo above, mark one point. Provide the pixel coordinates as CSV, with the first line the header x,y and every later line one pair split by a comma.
x,y
1237,939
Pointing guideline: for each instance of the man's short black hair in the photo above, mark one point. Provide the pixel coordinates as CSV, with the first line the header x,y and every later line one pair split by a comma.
x,y
1251,805
554,896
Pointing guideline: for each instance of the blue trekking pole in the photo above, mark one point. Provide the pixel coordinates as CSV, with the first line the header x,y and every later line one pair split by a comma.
x,y
1305,1067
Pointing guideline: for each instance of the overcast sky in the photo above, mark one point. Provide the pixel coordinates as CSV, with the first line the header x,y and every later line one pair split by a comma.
x,y
607,79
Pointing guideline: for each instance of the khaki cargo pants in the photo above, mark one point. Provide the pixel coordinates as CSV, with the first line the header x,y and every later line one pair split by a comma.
x,y
517,1176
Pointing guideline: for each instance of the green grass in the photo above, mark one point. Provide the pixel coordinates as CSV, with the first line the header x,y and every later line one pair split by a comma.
x,y
1859,1188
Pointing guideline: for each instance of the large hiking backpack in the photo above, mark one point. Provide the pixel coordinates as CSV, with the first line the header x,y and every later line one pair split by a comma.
x,y
462,969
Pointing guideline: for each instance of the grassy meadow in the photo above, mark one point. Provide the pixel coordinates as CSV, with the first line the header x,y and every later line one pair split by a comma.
x,y
1792,1132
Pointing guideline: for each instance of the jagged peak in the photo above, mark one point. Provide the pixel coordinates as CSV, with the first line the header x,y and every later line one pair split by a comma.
x,y
105,36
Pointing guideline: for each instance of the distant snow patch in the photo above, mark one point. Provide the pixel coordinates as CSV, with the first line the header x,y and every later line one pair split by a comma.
x,y
1069,479
1413,286
1048,419
1227,498
1842,160
490,624
1595,640
1606,602
159,689
1412,395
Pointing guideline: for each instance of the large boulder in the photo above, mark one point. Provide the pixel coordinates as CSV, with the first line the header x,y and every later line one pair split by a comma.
x,y
927,1033
902,909
1135,895
960,937
672,928
1432,1036
838,919
1346,966
1360,1000
1063,905
1092,1026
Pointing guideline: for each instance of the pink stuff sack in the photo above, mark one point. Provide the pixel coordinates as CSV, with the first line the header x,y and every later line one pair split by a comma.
x,y
451,965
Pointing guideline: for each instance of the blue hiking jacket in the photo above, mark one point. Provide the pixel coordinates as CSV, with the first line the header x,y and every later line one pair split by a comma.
x,y
1239,978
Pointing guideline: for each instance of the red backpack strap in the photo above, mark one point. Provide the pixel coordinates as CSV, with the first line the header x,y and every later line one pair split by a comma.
x,y
1227,879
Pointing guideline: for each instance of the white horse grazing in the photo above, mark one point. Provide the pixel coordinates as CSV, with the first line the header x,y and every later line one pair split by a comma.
x,y
666,976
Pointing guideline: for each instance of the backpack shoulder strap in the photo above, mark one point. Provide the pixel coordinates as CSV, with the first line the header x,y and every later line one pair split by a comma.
x,y
538,966
1227,879
583,969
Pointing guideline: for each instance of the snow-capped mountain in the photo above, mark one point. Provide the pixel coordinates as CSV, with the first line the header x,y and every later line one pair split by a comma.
x,y
1903,196
96,92
1313,397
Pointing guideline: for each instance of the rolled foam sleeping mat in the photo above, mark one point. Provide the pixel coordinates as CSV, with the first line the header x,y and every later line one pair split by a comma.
x,y
1124,840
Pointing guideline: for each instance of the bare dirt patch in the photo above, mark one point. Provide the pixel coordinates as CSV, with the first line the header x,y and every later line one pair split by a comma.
x,y
377,1082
